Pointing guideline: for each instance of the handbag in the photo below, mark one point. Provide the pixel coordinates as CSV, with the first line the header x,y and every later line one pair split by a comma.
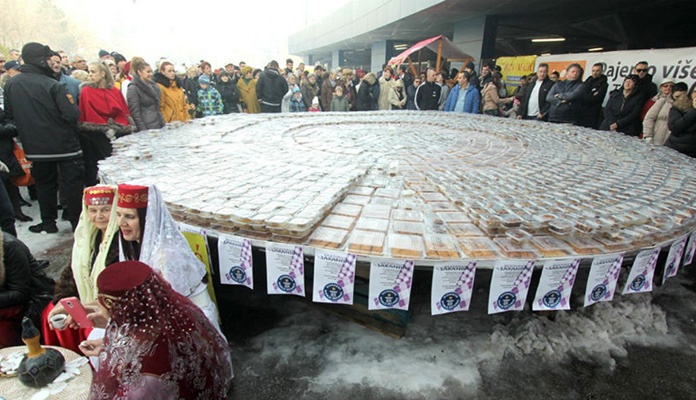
x,y
26,179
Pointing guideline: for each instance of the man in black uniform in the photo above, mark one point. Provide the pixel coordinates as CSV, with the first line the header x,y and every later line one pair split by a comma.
x,y
46,117
428,94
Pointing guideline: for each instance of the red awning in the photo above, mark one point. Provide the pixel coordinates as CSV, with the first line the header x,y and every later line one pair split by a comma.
x,y
449,50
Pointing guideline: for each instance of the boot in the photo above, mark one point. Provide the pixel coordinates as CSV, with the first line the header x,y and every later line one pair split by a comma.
x,y
20,216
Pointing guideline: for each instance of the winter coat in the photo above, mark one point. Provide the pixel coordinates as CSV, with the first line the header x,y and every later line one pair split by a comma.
x,y
15,272
309,91
595,90
247,95
285,103
428,96
472,99
682,125
444,94
144,104
397,97
271,87
326,93
209,102
297,104
411,97
385,88
625,111
365,95
45,114
656,122
565,98
104,115
491,98
544,106
7,134
339,103
191,86
230,96
173,102
646,88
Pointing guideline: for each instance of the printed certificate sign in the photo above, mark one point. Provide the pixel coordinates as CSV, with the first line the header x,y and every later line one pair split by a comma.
x,y
509,285
641,276
555,285
236,262
674,257
334,277
690,249
390,284
284,269
453,283
601,283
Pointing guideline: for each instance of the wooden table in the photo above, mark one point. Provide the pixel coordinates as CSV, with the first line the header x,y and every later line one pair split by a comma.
x,y
78,387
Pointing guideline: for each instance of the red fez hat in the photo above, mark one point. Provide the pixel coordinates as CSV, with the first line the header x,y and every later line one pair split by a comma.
x,y
118,278
99,195
132,196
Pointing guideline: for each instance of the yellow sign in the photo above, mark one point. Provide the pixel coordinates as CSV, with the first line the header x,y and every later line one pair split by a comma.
x,y
513,68
199,246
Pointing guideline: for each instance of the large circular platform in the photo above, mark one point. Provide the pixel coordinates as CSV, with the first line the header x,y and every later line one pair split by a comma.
x,y
417,185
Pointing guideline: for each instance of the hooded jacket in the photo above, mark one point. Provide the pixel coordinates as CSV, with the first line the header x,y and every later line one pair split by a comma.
x,y
44,112
682,125
173,101
144,104
271,87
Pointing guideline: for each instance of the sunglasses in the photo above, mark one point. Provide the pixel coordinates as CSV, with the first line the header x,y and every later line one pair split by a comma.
x,y
641,70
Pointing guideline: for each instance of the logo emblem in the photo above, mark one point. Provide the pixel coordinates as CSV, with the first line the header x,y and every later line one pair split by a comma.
x,y
638,282
506,300
286,283
238,274
388,298
333,292
552,298
450,301
598,292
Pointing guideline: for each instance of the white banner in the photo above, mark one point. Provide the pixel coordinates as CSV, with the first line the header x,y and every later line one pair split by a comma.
x,y
674,258
509,285
390,284
641,277
555,285
601,282
452,286
236,262
284,269
690,249
334,277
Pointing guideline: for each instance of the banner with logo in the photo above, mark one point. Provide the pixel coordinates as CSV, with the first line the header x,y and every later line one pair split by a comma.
x,y
674,257
390,284
452,286
509,285
236,262
641,277
285,269
334,277
555,285
690,249
601,282
513,68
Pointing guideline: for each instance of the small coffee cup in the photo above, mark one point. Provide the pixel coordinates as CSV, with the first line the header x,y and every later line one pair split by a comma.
x,y
58,321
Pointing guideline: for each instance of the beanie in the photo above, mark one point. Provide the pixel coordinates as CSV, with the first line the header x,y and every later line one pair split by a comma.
x,y
204,80
680,87
103,53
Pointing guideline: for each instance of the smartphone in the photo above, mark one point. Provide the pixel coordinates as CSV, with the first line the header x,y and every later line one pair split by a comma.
x,y
77,311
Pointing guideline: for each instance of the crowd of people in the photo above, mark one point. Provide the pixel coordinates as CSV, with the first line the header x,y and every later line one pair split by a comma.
x,y
65,114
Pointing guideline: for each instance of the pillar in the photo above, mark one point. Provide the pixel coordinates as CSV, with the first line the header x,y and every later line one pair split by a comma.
x,y
337,58
476,36
381,53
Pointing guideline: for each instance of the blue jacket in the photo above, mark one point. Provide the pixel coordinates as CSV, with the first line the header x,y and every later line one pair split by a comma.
x,y
471,105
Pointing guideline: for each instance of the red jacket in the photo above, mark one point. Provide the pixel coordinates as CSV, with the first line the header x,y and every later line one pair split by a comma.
x,y
97,106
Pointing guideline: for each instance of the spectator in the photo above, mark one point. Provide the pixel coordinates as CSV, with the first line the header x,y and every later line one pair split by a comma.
x,y
247,92
70,83
125,78
656,122
50,137
292,84
296,102
257,74
229,93
207,69
289,63
502,90
174,353
441,80
232,73
664,92
682,122
348,88
270,88
365,98
309,89
327,89
405,76
555,76
464,97
79,63
190,86
300,70
645,87
491,99
411,94
474,81
104,116
397,96
173,104
595,91
339,101
486,75
81,76
7,219
534,105
209,99
622,112
111,65
315,107
64,62
14,54
10,204
144,97
566,96
95,247
386,83
428,94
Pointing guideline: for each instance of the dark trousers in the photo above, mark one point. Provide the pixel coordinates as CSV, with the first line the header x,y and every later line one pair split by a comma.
x,y
265,108
72,177
7,221
95,147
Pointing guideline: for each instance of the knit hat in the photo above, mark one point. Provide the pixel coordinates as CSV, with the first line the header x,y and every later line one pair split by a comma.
x,y
680,87
103,53
132,196
99,195
246,70
204,80
36,54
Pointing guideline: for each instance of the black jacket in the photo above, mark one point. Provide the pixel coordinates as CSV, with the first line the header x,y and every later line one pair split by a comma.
x,y
646,88
365,99
565,99
428,96
682,126
44,113
271,87
7,132
15,272
592,99
625,111
544,106
230,96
